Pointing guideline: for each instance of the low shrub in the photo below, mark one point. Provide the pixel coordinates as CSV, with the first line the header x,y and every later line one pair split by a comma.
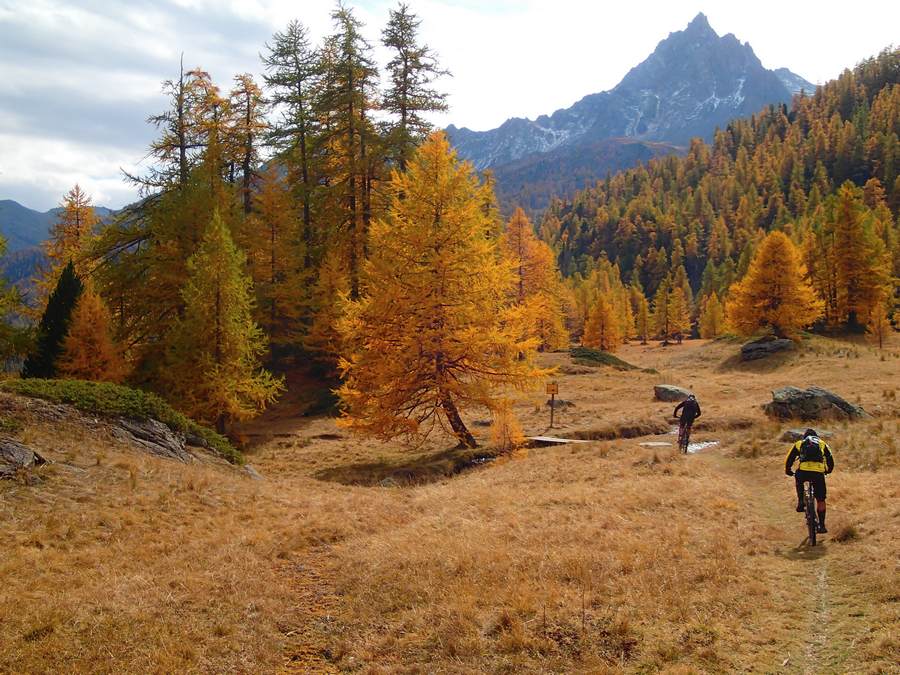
x,y
585,356
114,400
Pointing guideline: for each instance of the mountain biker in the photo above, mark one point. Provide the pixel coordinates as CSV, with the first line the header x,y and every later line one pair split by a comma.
x,y
815,462
690,410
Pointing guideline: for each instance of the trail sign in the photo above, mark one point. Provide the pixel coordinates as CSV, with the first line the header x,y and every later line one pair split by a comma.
x,y
553,390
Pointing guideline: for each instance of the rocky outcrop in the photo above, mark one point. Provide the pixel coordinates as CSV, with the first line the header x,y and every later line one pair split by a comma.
x,y
669,392
813,403
153,436
794,435
14,457
766,346
252,472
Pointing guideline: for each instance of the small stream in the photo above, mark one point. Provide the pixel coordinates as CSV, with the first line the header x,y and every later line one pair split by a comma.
x,y
692,447
700,445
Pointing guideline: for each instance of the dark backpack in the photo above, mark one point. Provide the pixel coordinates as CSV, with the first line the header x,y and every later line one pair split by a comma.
x,y
811,450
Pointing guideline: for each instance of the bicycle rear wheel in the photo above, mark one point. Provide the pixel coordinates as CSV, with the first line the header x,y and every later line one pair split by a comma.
x,y
811,517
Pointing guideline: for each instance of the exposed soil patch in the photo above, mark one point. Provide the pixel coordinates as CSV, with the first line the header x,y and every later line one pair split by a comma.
x,y
417,470
623,430
327,437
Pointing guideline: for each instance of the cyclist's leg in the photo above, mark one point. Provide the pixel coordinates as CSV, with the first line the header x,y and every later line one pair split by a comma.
x,y
798,482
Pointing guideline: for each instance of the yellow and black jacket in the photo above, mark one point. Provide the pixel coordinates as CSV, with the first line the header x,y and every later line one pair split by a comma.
x,y
823,465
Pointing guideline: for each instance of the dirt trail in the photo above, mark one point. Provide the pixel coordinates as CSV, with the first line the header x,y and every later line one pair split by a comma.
x,y
824,608
306,649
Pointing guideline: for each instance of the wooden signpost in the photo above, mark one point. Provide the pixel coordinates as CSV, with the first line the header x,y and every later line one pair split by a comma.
x,y
553,390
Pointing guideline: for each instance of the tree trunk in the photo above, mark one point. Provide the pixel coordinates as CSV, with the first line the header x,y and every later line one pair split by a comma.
x,y
466,439
352,170
248,156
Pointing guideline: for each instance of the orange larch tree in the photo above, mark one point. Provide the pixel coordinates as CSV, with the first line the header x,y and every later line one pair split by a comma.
x,y
89,350
69,239
428,338
601,331
774,295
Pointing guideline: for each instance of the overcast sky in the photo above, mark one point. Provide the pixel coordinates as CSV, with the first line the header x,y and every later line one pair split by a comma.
x,y
78,79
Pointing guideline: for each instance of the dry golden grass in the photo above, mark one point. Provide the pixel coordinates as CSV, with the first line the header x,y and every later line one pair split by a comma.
x,y
601,557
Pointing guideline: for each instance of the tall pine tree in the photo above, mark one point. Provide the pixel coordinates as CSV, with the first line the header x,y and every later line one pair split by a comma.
x,y
412,70
292,67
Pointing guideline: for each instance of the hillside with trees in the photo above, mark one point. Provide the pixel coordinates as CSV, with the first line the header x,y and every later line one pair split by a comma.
x,y
272,214
824,172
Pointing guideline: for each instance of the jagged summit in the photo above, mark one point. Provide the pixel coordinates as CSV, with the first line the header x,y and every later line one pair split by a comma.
x,y
694,81
699,25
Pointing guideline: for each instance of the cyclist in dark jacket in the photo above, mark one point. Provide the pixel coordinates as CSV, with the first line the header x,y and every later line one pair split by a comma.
x,y
690,410
816,461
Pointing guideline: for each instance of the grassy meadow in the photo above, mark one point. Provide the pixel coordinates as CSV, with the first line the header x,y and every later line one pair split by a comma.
x,y
357,556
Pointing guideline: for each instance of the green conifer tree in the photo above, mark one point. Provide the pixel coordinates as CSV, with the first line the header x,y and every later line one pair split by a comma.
x,y
214,371
54,325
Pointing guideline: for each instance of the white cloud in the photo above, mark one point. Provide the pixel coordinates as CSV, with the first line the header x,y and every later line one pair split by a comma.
x,y
80,77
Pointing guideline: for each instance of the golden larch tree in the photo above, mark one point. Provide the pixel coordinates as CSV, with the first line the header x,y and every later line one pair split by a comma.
x,y
679,313
662,317
545,322
89,350
712,317
774,294
274,245
642,320
214,371
427,339
506,432
328,297
601,331
538,289
69,239
861,265
73,230
531,259
879,326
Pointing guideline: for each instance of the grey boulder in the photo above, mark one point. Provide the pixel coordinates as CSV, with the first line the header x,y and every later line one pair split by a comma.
x,y
15,456
794,435
558,403
760,349
813,403
669,392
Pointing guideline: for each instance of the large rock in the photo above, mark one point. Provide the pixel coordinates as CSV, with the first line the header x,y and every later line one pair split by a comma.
x,y
813,403
794,435
558,403
153,436
15,456
766,346
669,392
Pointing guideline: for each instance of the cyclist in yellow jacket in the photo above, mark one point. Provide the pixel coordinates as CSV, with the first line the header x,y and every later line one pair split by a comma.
x,y
815,462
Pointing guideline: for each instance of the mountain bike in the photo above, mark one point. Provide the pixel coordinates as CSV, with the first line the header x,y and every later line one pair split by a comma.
x,y
684,436
809,511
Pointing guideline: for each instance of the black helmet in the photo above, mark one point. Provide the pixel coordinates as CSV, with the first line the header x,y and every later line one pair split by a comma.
x,y
810,432
691,397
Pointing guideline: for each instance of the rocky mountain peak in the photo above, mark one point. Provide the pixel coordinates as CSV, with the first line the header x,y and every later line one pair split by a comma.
x,y
693,82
